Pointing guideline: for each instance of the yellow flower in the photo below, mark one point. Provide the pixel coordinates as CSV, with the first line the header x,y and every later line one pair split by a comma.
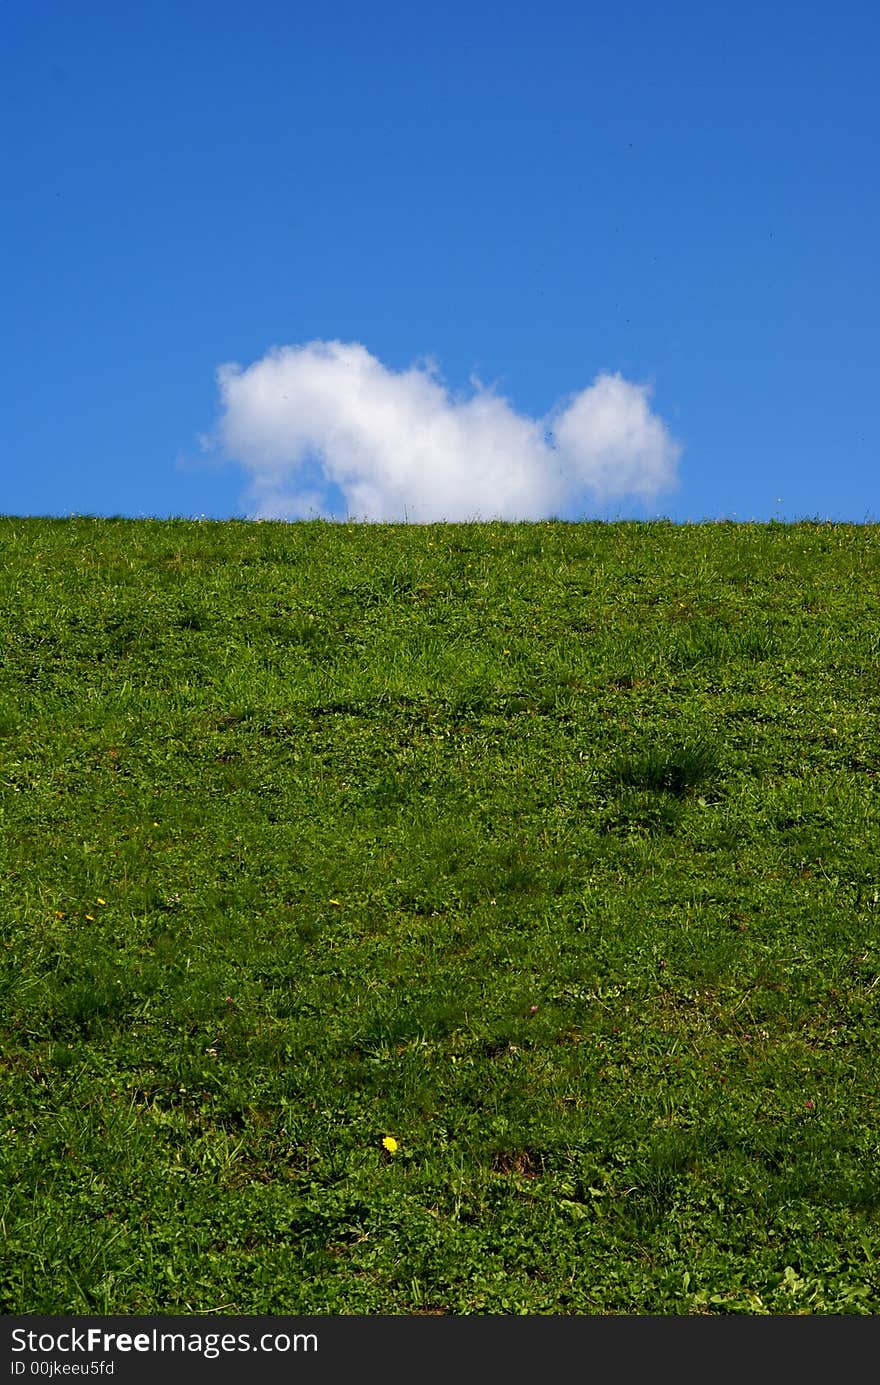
x,y
101,901
390,1144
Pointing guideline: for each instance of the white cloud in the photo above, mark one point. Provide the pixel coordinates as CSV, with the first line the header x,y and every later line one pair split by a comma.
x,y
325,429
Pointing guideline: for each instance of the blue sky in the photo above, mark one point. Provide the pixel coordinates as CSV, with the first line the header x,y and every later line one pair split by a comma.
x,y
682,197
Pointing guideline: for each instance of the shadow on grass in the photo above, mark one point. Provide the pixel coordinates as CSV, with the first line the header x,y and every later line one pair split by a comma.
x,y
675,770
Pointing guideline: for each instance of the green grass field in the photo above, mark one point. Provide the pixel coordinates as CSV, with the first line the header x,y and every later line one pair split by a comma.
x,y
548,851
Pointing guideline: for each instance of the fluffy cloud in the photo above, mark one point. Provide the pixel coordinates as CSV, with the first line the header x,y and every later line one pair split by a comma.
x,y
326,429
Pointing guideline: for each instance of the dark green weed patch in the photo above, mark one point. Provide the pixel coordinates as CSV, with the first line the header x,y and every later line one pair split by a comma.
x,y
545,853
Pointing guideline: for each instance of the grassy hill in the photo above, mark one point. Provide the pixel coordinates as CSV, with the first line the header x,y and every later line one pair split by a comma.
x,y
547,853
